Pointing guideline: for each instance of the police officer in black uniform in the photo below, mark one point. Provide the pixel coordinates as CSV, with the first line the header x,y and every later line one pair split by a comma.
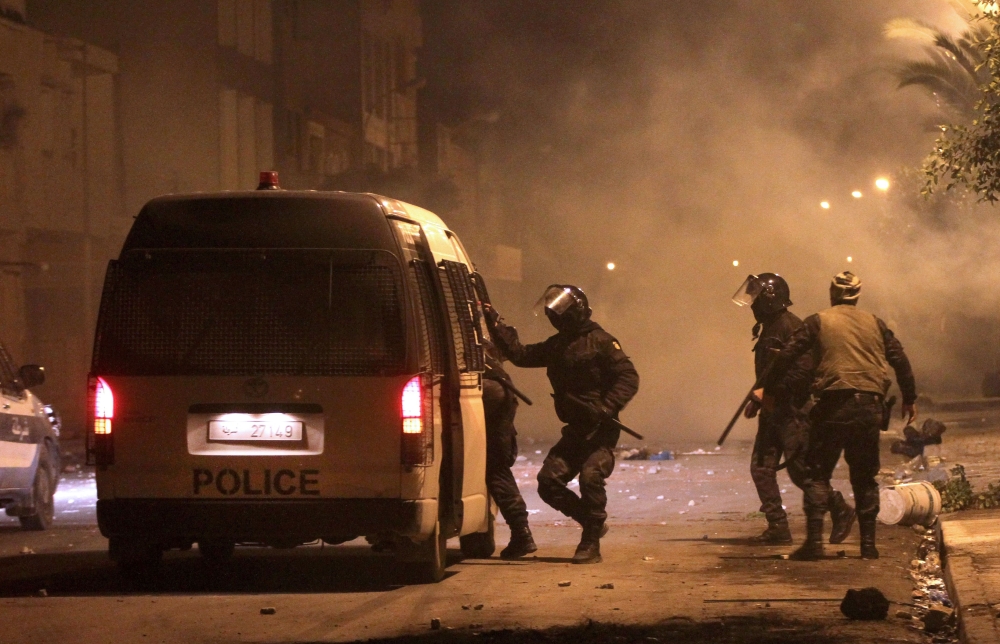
x,y
783,425
855,349
500,407
585,362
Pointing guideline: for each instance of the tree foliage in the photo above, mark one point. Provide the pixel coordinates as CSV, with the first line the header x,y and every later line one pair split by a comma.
x,y
967,154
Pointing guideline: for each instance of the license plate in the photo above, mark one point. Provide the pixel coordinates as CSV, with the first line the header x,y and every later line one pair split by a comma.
x,y
255,430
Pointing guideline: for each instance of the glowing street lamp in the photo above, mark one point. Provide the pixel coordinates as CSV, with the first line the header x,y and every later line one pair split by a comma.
x,y
882,184
825,205
611,266
849,259
736,262
856,194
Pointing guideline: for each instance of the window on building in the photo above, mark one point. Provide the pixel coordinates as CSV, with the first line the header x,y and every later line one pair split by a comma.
x,y
246,139
247,26
227,23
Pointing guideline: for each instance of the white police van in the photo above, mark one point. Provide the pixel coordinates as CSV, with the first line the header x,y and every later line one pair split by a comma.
x,y
276,367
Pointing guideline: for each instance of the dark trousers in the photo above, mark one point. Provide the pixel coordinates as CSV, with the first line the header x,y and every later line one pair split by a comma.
x,y
500,407
847,422
593,459
782,432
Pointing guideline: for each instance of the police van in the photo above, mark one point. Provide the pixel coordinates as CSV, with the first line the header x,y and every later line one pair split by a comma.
x,y
276,367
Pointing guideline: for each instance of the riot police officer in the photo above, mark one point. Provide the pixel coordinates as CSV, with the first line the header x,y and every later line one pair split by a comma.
x,y
855,350
592,380
782,427
500,407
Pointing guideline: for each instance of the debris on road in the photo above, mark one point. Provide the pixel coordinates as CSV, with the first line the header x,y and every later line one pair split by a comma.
x,y
606,587
916,439
563,584
435,624
865,604
41,592
932,607
477,607
269,610
466,606
647,558
938,618
27,551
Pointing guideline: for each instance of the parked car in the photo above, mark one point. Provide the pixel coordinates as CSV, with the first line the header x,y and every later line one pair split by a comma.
x,y
29,446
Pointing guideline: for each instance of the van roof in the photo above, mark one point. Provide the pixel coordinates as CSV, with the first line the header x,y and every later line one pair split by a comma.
x,y
254,218
391,205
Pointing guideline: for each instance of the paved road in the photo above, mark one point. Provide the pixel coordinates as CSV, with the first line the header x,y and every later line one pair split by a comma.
x,y
677,547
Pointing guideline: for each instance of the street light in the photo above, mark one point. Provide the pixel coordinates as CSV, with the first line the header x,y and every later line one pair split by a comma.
x,y
882,184
856,194
611,266
825,205
736,262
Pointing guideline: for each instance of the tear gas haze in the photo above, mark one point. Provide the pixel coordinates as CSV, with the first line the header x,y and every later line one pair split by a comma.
x,y
683,134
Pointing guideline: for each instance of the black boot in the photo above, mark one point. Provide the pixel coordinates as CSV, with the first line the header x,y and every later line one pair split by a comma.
x,y
868,549
812,549
520,544
775,533
589,550
843,516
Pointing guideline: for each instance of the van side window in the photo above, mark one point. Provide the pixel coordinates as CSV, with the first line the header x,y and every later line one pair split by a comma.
x,y
429,326
464,313
8,375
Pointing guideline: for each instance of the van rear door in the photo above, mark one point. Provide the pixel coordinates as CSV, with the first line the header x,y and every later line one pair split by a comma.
x,y
205,347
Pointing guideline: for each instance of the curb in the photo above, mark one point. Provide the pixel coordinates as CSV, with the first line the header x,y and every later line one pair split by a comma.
x,y
976,624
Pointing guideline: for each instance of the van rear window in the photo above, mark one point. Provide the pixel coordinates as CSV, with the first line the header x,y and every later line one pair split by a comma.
x,y
259,312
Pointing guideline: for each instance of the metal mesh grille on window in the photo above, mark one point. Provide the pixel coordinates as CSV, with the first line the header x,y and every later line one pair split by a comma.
x,y
247,314
460,297
432,327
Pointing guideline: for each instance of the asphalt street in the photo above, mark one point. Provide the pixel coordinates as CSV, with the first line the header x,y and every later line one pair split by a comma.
x,y
677,554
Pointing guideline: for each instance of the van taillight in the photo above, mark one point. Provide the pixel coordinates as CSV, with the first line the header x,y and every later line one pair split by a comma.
x,y
104,407
100,444
417,425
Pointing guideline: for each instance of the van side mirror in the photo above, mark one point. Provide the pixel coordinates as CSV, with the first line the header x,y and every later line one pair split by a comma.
x,y
31,375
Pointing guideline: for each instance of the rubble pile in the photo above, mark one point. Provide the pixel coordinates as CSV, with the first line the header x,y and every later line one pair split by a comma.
x,y
931,610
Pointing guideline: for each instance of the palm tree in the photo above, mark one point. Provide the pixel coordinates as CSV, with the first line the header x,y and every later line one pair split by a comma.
x,y
952,69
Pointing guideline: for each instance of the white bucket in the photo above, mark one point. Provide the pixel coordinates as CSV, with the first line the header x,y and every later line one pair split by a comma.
x,y
916,503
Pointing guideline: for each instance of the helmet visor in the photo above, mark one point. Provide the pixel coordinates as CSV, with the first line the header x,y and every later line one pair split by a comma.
x,y
748,291
556,299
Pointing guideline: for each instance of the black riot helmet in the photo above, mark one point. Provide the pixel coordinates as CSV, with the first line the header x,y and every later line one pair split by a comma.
x,y
565,306
766,294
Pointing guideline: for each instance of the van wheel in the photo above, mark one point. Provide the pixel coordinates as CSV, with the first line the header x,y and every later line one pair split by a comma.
x,y
41,491
216,552
431,568
479,545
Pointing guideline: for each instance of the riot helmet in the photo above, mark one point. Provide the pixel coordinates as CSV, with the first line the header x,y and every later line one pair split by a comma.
x,y
766,294
565,306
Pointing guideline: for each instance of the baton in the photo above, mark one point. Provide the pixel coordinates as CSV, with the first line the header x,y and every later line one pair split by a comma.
x,y
614,421
756,385
509,386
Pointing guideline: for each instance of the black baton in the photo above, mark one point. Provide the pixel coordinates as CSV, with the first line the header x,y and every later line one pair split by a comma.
x,y
614,421
509,386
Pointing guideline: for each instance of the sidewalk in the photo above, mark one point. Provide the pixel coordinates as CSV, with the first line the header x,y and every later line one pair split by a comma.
x,y
970,542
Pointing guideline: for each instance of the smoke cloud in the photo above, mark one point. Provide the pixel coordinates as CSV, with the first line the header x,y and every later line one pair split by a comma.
x,y
675,139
